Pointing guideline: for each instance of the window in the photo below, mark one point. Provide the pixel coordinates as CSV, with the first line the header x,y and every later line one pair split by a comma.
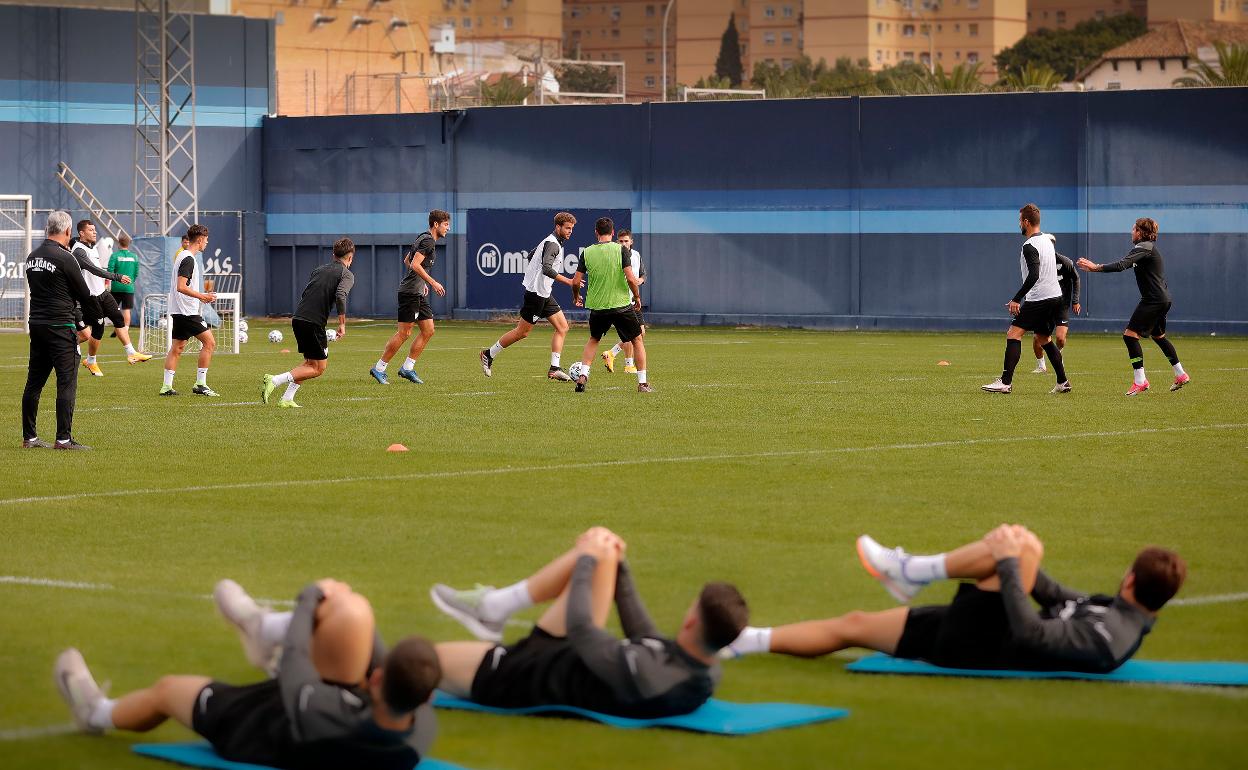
x,y
1115,66
649,35
649,81
466,3
1100,16
940,55
1163,65
576,12
508,23
972,4
926,59
925,30
1139,65
1113,85
615,13
972,57
615,33
576,34
786,63
972,30
467,23
957,27
506,4
879,28
907,31
649,11
909,55
1061,17
649,57
787,11
786,38
879,56
957,54
769,12
769,38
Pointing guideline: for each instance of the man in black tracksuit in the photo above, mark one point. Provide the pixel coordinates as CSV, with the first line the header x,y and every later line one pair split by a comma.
x,y
55,283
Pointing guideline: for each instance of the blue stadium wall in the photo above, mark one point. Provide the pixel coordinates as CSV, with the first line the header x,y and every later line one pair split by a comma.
x,y
67,94
832,213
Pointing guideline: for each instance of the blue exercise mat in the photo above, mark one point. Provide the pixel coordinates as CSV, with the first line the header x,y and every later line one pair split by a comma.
x,y
1144,671
715,717
200,754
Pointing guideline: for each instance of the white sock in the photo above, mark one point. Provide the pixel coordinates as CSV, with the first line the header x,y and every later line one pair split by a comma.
x,y
925,569
291,387
641,376
629,362
408,363
752,640
495,349
1139,375
91,359
283,378
1178,370
1040,361
169,378
130,350
201,376
101,717
78,348
617,349
273,627
554,359
500,603
381,365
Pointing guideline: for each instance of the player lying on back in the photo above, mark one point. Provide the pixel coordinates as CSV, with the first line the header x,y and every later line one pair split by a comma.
x,y
570,658
991,623
339,699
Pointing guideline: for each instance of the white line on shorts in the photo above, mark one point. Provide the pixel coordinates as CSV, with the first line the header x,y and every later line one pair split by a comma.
x,y
725,456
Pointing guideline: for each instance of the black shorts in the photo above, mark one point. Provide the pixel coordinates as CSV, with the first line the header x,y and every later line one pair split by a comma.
x,y
413,308
109,310
641,324
1149,319
520,675
311,339
970,632
187,326
625,320
1039,317
245,723
125,299
1064,318
536,307
79,322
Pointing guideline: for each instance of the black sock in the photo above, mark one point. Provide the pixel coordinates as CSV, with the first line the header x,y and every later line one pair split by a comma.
x,y
1055,358
1013,352
1135,351
1167,347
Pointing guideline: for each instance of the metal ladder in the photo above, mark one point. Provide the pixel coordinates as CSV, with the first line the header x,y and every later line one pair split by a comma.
x,y
88,200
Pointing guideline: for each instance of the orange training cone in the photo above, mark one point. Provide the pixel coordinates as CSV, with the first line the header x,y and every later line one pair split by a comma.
x,y
396,448
942,363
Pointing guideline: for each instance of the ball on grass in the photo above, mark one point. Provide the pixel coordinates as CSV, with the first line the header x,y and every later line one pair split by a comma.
x,y
275,336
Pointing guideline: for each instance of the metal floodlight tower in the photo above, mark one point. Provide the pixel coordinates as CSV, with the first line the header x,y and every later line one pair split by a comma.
x,y
166,184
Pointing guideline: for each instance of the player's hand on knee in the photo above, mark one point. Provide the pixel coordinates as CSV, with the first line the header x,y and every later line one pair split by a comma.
x,y
1004,543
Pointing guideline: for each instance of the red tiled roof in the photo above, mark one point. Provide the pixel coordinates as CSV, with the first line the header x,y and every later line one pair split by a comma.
x,y
1174,40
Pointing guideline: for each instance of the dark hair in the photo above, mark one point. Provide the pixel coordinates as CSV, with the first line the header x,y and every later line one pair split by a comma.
x,y
83,223
604,226
623,232
723,612
438,215
123,241
343,247
1159,573
1031,214
410,674
195,232
564,217
1147,228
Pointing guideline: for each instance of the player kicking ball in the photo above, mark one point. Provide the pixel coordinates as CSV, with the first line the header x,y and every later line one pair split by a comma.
x,y
327,288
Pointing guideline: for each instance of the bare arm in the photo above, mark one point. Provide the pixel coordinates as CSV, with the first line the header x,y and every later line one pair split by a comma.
x,y
577,282
184,287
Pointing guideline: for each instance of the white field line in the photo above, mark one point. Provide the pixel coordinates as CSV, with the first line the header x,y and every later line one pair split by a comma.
x,y
1189,601
725,456
27,733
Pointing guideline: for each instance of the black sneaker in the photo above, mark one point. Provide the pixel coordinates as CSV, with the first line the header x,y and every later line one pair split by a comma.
x,y
487,361
168,390
204,390
556,373
72,445
581,382
35,443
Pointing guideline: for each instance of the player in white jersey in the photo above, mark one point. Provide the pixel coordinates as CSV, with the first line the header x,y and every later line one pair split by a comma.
x,y
184,307
96,276
541,273
1036,307
625,237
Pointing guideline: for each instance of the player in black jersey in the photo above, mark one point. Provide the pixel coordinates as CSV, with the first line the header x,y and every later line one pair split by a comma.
x,y
339,699
327,288
1149,318
414,307
570,659
990,624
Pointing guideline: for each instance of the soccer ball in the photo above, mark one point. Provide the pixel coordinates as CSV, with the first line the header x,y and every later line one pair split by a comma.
x,y
331,334
242,338
576,370
242,325
275,336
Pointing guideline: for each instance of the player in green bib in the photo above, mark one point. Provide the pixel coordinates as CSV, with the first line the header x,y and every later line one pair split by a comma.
x,y
124,262
613,297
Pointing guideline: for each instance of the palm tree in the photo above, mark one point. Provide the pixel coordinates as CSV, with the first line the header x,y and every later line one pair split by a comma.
x,y
1032,77
506,91
1232,69
962,79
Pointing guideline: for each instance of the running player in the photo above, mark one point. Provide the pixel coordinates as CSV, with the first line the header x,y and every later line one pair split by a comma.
x,y
1149,318
570,658
126,264
611,282
95,276
1036,306
540,274
184,315
1068,279
414,308
339,700
625,237
990,623
328,287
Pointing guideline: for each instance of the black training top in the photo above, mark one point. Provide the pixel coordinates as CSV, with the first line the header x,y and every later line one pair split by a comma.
x,y
1068,279
1150,272
327,288
411,282
55,283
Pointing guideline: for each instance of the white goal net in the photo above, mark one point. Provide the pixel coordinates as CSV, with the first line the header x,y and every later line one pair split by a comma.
x,y
156,331
16,242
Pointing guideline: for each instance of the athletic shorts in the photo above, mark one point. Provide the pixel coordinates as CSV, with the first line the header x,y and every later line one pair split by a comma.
x,y
1040,316
970,632
244,723
536,307
187,326
413,308
313,344
109,310
641,324
1063,319
125,299
1149,319
521,675
79,322
627,323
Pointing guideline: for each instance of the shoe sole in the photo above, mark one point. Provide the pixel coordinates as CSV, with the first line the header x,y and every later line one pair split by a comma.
x,y
59,675
884,580
467,621
1178,386
1001,392
377,379
1136,392
253,656
486,368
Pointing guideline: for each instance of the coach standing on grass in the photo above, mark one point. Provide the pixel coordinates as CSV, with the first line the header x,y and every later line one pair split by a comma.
x,y
55,282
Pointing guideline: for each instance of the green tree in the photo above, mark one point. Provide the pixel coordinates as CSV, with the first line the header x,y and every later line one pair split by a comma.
x,y
907,77
1033,77
587,79
505,91
962,79
1067,51
728,63
1232,69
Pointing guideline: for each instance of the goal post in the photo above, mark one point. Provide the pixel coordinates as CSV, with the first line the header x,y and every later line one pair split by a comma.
x,y
581,81
156,327
689,94
16,243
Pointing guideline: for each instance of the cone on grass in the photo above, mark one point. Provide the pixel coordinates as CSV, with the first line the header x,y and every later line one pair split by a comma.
x,y
396,448
942,363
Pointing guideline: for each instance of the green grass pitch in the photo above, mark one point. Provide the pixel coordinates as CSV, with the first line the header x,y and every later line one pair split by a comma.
x,y
760,458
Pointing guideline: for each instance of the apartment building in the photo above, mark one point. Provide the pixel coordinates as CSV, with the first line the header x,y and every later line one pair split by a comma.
x,y
526,26
1065,14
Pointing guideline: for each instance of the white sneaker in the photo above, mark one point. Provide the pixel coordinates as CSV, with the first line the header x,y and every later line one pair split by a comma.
x,y
1062,387
242,612
1040,367
889,567
465,606
78,689
996,386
